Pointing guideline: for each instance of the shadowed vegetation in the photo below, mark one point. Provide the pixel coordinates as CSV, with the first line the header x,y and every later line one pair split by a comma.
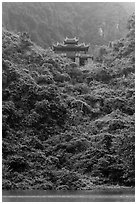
x,y
64,126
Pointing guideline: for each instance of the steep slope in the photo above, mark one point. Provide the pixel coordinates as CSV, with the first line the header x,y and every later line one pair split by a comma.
x,y
51,22
66,127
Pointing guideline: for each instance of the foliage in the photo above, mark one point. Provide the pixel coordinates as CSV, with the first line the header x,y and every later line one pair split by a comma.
x,y
73,133
84,19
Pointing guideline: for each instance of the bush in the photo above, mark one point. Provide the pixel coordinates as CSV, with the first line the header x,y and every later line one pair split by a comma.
x,y
66,127
45,79
18,164
81,88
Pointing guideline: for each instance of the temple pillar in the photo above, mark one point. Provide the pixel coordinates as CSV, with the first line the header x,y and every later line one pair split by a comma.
x,y
77,60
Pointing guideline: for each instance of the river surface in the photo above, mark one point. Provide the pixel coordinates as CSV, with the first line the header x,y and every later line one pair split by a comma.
x,y
109,195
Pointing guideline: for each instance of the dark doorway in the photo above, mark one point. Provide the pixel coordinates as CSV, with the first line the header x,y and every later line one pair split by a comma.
x,y
82,62
73,59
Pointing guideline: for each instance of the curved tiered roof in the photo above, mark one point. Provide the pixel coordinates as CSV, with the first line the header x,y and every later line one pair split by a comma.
x,y
70,44
71,40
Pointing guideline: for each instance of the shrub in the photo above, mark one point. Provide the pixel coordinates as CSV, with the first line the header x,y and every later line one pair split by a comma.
x,y
81,88
18,163
75,74
44,79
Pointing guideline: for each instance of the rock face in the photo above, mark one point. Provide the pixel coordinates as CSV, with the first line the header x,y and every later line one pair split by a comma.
x,y
95,23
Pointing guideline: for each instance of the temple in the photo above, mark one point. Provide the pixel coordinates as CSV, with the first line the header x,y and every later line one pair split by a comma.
x,y
72,49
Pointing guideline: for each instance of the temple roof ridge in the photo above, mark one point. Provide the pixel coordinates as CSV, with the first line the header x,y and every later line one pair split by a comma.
x,y
71,39
71,44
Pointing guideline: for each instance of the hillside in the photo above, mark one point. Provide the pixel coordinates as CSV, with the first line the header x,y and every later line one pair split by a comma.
x,y
64,126
51,22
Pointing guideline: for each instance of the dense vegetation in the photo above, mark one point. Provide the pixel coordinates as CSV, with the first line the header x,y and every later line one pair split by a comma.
x,y
50,22
64,126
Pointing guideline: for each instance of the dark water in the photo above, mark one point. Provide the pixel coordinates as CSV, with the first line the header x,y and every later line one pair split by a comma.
x,y
111,195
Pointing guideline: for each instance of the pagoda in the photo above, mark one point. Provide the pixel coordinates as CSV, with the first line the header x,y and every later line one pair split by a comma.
x,y
72,49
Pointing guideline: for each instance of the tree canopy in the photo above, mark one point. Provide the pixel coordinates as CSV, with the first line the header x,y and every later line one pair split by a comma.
x,y
64,126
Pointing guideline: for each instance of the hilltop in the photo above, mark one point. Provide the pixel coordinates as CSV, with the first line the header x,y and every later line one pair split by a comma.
x,y
64,126
49,22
